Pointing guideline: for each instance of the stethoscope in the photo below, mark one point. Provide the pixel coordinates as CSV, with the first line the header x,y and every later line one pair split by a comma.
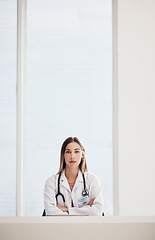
x,y
85,192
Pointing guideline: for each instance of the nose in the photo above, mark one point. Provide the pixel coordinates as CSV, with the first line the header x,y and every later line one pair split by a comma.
x,y
72,155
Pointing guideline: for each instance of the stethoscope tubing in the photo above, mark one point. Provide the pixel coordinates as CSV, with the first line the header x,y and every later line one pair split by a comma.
x,y
85,192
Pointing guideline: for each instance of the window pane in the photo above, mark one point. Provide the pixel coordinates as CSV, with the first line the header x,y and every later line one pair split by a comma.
x,y
8,32
69,90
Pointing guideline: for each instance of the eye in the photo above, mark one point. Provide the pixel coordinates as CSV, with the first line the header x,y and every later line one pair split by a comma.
x,y
77,151
67,151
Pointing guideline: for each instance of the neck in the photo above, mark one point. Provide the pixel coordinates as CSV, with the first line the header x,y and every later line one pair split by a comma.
x,y
71,173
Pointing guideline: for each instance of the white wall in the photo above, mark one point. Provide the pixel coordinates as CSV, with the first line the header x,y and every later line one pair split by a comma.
x,y
136,106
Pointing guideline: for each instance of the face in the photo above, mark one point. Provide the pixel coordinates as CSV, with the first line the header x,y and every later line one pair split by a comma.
x,y
73,155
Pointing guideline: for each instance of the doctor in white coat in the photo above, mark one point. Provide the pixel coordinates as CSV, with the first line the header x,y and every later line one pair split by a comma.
x,y
73,190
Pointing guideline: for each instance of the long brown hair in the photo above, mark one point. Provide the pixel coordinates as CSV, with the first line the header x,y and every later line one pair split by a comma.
x,y
83,165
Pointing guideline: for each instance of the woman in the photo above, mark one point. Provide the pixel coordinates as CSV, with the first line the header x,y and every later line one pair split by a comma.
x,y
73,190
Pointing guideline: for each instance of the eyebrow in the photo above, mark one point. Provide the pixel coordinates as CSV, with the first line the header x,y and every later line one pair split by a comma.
x,y
74,149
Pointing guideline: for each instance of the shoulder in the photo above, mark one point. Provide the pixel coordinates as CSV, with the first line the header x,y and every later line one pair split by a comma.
x,y
91,178
51,180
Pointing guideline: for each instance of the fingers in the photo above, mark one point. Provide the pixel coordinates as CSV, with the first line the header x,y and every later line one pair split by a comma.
x,y
91,202
59,206
64,209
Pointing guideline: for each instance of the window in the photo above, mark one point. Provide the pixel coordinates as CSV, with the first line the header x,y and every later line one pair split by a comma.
x,y
8,49
69,90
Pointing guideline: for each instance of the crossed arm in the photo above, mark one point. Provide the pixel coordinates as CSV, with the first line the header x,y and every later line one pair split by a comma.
x,y
65,209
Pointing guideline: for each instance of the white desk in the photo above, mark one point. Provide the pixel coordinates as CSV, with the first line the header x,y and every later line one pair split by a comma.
x,y
75,228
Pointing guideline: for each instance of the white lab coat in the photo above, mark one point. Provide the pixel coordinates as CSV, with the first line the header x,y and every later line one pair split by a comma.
x,y
73,198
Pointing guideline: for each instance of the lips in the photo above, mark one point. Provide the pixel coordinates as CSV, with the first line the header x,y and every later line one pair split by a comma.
x,y
72,161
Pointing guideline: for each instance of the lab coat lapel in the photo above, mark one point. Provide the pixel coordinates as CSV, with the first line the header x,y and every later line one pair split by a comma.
x,y
79,180
64,182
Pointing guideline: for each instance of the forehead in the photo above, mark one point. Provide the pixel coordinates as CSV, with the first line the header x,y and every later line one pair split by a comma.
x,y
73,145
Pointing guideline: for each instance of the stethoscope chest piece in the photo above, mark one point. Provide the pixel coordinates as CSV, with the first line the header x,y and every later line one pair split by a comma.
x,y
85,193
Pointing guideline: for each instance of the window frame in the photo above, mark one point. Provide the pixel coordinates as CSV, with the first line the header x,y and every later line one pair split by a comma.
x,y
21,104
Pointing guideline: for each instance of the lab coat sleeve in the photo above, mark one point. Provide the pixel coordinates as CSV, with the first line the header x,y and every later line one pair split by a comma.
x,y
97,208
49,198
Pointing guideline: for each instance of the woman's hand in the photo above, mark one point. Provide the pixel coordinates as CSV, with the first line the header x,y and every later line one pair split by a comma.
x,y
91,202
64,209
